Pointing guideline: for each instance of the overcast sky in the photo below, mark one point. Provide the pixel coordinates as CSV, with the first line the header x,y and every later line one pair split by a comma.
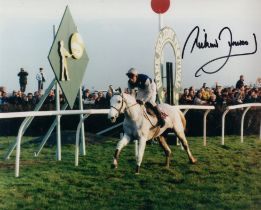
x,y
120,34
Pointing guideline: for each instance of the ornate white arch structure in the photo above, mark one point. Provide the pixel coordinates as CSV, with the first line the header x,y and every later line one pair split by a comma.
x,y
167,36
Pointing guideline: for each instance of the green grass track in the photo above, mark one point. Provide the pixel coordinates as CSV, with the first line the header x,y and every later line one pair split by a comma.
x,y
225,177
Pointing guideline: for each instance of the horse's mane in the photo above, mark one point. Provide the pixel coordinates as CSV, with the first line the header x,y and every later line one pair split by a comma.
x,y
125,95
116,94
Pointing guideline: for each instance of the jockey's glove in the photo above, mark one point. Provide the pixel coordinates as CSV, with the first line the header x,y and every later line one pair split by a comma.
x,y
140,102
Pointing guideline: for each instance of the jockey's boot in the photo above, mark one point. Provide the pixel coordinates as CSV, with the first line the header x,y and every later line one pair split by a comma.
x,y
161,121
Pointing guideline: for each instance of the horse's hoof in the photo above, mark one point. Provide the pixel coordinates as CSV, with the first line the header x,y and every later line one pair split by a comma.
x,y
193,161
114,163
167,164
137,171
114,166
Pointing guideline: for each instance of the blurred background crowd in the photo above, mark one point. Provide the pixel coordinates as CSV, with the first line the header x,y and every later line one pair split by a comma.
x,y
218,96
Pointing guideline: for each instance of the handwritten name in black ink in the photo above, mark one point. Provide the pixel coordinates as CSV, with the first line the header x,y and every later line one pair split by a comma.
x,y
215,44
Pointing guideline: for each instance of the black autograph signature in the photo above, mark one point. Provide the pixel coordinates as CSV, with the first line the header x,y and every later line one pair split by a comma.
x,y
207,44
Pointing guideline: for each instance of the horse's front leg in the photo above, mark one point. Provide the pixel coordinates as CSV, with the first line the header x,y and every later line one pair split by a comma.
x,y
141,149
122,143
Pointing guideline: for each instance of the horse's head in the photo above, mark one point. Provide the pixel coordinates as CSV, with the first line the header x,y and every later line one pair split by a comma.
x,y
118,106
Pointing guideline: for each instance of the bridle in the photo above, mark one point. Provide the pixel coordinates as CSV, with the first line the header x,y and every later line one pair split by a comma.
x,y
122,103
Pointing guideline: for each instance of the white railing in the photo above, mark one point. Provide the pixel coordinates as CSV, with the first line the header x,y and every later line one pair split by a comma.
x,y
240,106
46,113
197,107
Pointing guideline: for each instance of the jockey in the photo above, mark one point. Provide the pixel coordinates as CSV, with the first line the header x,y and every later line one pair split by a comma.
x,y
146,92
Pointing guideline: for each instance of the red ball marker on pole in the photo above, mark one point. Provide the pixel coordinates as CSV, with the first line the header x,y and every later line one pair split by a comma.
x,y
160,7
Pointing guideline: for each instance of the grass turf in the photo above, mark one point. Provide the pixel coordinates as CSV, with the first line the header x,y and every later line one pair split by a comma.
x,y
225,177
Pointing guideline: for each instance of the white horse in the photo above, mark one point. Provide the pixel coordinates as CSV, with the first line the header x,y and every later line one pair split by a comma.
x,y
139,125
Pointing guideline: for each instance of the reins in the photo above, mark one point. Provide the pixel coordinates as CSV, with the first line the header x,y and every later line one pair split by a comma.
x,y
145,114
123,100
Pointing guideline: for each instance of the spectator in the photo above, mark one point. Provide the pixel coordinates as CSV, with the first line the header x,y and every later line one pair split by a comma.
x,y
212,100
219,97
19,97
24,98
86,94
50,98
218,88
109,93
61,97
4,98
94,96
1,95
3,89
252,96
12,98
205,93
186,98
192,92
100,101
258,93
30,100
36,97
87,97
111,89
230,97
40,79
240,96
226,99
240,82
198,99
22,79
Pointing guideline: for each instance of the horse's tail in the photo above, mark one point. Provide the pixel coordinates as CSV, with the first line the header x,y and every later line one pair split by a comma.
x,y
183,120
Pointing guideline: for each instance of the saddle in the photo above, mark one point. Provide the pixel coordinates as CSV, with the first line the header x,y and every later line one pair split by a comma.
x,y
152,113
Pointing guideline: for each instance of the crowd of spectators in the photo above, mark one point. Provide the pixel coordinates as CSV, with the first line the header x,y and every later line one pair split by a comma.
x,y
217,96
20,101
221,96
100,99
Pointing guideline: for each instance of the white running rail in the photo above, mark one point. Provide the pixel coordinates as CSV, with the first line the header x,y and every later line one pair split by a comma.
x,y
198,107
40,114
240,106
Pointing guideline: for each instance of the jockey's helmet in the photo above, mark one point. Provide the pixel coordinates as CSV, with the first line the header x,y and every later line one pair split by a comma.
x,y
131,72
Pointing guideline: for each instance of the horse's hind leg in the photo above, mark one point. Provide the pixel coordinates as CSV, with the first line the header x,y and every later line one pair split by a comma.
x,y
184,142
165,146
122,143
